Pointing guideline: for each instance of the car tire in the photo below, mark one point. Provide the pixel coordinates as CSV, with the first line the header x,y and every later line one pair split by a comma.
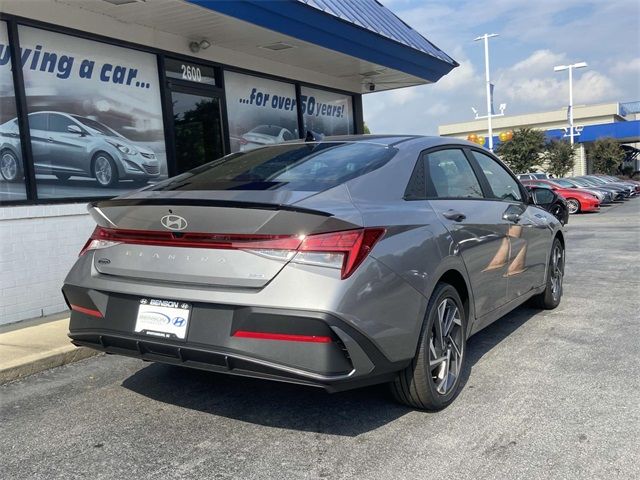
x,y
422,384
10,168
552,295
573,205
63,177
104,170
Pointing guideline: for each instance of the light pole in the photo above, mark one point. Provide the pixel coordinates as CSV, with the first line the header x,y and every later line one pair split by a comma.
x,y
486,38
561,68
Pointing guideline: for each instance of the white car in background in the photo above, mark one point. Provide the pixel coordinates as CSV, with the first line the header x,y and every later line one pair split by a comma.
x,y
264,135
533,176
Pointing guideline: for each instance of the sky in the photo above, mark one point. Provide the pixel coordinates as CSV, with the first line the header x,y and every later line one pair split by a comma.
x,y
534,36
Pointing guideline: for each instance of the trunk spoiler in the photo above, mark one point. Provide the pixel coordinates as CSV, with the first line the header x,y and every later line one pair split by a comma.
x,y
134,202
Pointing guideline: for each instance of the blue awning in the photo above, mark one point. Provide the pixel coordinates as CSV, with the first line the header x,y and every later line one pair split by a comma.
x,y
363,29
622,131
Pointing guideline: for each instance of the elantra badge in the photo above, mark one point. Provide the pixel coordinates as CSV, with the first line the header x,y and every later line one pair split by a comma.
x,y
173,222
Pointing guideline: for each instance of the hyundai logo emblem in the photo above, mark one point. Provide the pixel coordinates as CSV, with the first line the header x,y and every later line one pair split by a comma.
x,y
173,222
179,321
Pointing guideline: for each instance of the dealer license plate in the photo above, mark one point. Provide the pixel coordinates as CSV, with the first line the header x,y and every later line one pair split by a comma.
x,y
163,318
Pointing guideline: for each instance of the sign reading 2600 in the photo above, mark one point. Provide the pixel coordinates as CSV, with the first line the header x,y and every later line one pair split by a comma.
x,y
190,72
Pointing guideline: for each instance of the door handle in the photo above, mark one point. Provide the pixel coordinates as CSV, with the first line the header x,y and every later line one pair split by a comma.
x,y
511,217
50,139
454,215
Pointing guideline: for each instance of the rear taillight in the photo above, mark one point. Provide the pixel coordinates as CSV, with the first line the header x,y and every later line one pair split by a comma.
x,y
344,250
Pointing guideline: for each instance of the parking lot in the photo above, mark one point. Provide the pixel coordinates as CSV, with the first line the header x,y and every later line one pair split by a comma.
x,y
552,394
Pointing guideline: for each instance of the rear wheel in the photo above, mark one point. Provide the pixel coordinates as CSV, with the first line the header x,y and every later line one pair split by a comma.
x,y
573,205
550,298
432,379
105,170
10,167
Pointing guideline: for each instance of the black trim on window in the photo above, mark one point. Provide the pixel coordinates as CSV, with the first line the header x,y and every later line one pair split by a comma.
x,y
21,112
165,97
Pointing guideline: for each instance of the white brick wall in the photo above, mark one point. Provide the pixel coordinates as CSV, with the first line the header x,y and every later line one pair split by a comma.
x,y
38,245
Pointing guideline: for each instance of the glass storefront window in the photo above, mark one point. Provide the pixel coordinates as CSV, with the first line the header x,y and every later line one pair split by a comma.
x,y
261,111
12,185
95,115
326,113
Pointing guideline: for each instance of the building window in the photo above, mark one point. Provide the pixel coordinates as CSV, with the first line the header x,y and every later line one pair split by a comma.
x,y
260,111
12,183
327,113
95,115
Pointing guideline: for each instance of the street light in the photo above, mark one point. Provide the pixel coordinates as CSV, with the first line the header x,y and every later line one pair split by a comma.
x,y
486,38
562,68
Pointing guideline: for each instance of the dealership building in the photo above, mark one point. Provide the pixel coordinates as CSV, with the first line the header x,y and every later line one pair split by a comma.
x,y
98,97
620,121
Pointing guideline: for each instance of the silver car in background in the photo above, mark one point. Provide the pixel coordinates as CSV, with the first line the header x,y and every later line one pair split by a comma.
x,y
341,263
67,145
264,135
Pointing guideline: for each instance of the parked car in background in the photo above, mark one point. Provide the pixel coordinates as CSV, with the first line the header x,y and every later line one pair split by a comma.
x,y
605,196
577,200
619,192
532,176
341,263
596,181
609,179
264,135
68,145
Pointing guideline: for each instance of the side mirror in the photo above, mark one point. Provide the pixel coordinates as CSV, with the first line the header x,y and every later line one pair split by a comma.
x,y
75,129
541,196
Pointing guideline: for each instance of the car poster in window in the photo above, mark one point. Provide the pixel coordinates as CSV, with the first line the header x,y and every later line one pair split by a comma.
x,y
261,111
12,186
326,113
95,115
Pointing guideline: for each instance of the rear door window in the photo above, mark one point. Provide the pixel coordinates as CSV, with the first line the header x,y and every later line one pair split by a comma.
x,y
301,166
450,175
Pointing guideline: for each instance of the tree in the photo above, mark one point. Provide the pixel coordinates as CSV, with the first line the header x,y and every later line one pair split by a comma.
x,y
523,151
559,157
606,155
366,129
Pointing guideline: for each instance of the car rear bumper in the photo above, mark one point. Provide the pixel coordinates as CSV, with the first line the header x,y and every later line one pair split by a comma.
x,y
348,360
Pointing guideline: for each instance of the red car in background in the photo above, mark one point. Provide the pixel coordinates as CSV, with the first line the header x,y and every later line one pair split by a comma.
x,y
577,201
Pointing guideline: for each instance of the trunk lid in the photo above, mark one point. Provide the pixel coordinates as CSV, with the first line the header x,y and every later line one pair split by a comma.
x,y
187,237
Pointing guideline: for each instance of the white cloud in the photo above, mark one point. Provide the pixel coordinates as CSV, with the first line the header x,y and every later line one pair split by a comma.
x,y
532,83
627,67
459,77
403,95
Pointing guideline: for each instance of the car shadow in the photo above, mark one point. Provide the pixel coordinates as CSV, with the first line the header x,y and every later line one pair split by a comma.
x,y
296,407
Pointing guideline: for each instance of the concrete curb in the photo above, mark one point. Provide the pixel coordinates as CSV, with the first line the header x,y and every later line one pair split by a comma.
x,y
43,361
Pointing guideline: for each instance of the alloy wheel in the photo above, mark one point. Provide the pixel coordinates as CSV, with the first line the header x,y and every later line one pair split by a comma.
x,y
573,206
8,166
446,347
557,271
103,170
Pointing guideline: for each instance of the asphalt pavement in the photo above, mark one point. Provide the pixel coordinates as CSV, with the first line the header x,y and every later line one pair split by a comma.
x,y
552,394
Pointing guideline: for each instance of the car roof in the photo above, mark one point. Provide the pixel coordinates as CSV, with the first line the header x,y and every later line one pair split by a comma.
x,y
425,141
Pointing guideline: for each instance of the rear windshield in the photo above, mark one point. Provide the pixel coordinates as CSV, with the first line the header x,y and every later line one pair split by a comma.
x,y
304,167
